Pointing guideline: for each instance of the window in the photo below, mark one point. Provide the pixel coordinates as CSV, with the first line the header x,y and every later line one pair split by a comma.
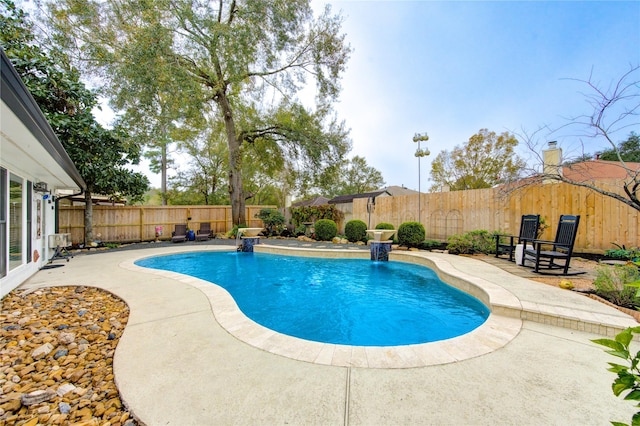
x,y
15,221
29,220
3,222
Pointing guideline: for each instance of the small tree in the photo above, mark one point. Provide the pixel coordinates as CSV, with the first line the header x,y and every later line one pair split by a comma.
x,y
484,161
273,220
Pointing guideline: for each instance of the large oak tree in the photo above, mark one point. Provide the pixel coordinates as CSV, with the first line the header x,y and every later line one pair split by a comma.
x,y
242,62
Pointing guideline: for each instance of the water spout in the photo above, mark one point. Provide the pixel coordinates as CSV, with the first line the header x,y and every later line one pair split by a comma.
x,y
380,250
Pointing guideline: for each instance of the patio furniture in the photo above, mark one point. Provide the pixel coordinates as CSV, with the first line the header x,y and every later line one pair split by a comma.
x,y
204,232
506,244
179,234
561,248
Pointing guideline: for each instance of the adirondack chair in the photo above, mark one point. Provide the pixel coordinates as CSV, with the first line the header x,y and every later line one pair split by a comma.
x,y
179,234
560,249
204,232
506,244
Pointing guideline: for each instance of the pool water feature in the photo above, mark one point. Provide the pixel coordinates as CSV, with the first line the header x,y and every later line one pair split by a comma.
x,y
341,301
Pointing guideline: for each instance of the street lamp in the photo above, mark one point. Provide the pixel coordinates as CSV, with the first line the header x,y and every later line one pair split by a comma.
x,y
420,137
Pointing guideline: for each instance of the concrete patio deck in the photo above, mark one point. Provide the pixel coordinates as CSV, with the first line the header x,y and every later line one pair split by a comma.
x,y
175,363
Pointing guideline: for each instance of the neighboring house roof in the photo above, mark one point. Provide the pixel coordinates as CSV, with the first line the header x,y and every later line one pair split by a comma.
x,y
29,144
398,190
318,201
342,199
597,169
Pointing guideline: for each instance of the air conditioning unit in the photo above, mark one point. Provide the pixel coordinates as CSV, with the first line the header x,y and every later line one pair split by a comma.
x,y
40,186
59,240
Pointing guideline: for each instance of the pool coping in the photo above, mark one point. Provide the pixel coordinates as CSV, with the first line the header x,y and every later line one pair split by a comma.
x,y
501,327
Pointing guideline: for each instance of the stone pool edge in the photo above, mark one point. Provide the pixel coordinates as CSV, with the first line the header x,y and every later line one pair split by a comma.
x,y
493,334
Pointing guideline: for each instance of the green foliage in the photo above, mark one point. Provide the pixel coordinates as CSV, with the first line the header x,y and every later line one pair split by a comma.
x,y
628,150
411,234
430,245
234,231
273,220
478,241
542,226
623,253
385,225
300,215
460,244
102,156
612,284
325,229
353,176
627,381
238,65
484,161
355,230
203,178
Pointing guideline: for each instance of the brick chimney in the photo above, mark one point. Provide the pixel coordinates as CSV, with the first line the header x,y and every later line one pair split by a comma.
x,y
552,157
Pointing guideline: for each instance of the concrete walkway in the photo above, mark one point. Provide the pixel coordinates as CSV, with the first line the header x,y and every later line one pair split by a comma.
x,y
176,365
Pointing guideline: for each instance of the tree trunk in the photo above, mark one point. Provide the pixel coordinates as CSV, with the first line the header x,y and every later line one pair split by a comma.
x,y
88,218
163,184
235,163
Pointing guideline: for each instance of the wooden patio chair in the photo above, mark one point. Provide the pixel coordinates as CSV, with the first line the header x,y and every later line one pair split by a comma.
x,y
561,248
506,244
179,234
204,232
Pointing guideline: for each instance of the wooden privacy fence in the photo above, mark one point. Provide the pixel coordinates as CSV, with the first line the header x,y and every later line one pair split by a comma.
x,y
603,220
139,223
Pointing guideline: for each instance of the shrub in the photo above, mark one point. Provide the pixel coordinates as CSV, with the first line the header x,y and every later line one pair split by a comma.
x,y
411,234
325,229
430,245
478,241
385,225
483,241
623,253
460,244
300,215
273,220
611,283
355,230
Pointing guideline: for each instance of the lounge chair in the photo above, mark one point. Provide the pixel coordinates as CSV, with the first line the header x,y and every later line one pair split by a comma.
x,y
204,232
179,234
506,244
561,248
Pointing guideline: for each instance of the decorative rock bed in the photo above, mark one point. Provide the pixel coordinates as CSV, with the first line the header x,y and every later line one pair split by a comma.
x,y
56,356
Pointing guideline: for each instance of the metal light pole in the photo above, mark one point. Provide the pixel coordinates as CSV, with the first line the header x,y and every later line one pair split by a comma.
x,y
420,137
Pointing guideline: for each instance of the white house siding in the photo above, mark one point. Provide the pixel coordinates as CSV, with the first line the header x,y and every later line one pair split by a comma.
x,y
29,153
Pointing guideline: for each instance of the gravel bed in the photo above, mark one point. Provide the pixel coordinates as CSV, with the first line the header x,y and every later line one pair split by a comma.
x,y
56,357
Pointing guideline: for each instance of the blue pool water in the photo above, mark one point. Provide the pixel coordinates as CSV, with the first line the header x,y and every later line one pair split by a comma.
x,y
342,301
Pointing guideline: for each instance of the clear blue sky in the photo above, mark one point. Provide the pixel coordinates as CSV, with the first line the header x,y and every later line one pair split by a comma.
x,y
450,68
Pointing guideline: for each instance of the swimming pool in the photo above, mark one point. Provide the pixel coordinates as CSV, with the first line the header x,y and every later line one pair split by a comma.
x,y
342,301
